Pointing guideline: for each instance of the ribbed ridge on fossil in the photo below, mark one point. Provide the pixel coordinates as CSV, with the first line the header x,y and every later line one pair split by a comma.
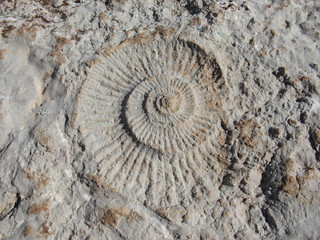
x,y
148,116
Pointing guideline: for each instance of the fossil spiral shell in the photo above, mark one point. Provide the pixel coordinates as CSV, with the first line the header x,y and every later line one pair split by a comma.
x,y
148,115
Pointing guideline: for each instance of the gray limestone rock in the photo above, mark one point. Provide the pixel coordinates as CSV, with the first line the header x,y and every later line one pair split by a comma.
x,y
159,119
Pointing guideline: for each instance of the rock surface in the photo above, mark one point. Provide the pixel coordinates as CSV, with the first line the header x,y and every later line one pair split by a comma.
x,y
159,119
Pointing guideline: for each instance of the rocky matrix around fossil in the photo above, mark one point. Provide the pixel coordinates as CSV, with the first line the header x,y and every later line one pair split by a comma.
x,y
159,119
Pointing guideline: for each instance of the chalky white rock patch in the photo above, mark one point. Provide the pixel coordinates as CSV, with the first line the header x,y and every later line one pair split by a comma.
x,y
148,116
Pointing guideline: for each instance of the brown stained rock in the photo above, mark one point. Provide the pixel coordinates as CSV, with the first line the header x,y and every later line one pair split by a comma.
x,y
106,186
291,186
222,138
48,142
207,236
165,31
196,21
187,215
292,122
47,2
44,229
226,214
94,178
94,62
28,32
161,212
309,187
112,216
174,213
290,165
132,216
138,39
2,53
273,33
38,208
250,132
27,230
104,18
45,138
30,176
40,180
200,135
61,41
47,77
312,175
7,31
262,53
58,52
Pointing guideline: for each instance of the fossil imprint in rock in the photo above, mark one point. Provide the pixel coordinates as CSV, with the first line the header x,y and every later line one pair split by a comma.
x,y
149,116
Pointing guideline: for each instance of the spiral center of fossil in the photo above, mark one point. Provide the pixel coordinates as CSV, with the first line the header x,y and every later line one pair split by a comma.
x,y
161,110
169,102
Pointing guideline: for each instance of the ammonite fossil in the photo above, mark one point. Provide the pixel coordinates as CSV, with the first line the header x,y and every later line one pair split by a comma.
x,y
149,116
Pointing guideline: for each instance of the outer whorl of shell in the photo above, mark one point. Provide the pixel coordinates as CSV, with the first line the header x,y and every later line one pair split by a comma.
x,y
148,116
